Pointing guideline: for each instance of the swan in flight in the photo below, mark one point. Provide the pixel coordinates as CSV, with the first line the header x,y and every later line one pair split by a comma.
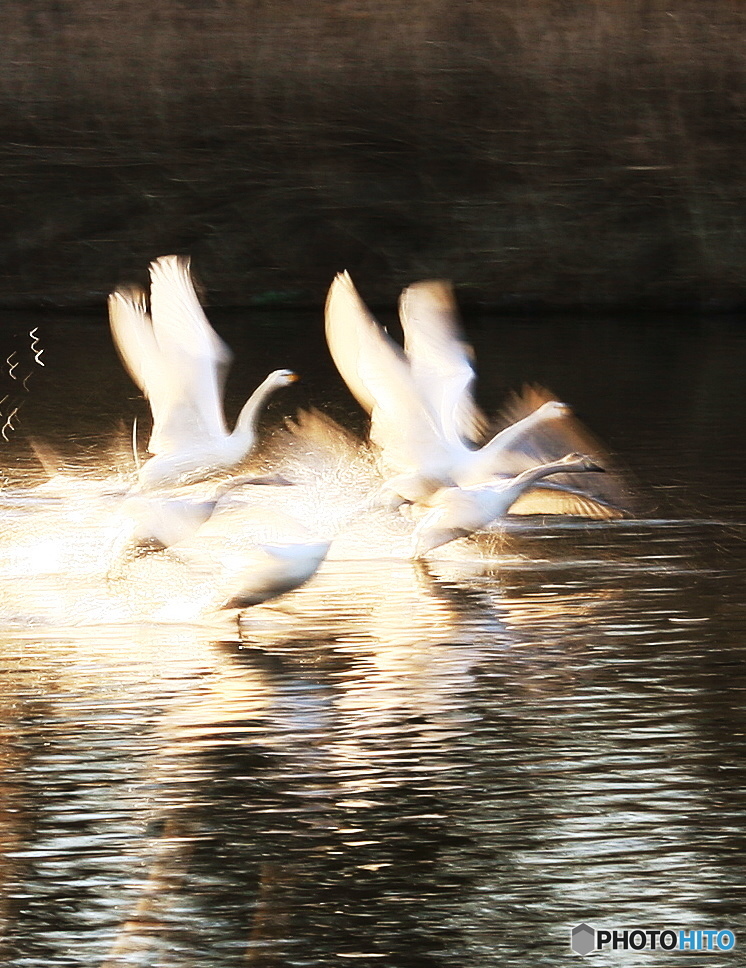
x,y
179,362
424,420
456,512
278,568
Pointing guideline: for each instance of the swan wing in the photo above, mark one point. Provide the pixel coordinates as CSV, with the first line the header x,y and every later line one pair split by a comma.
x,y
135,341
379,377
133,336
353,334
402,428
543,440
195,359
550,439
555,498
441,361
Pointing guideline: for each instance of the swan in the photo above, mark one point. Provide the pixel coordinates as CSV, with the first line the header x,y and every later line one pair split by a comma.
x,y
158,519
157,522
180,363
424,420
456,512
278,568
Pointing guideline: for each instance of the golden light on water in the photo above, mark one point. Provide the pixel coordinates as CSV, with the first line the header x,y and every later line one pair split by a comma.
x,y
62,547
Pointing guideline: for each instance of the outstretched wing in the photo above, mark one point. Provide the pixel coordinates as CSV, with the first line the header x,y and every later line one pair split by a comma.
x,y
379,377
551,439
363,353
552,498
195,359
135,341
441,361
133,336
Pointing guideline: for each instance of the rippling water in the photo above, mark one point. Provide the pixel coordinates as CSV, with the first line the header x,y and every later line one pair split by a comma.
x,y
406,765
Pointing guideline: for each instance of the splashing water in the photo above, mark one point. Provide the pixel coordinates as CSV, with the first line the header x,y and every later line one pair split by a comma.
x,y
63,564
61,541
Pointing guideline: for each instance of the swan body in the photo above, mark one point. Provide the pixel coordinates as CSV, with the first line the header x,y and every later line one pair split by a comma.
x,y
158,522
424,420
211,455
159,519
279,568
460,511
180,363
467,467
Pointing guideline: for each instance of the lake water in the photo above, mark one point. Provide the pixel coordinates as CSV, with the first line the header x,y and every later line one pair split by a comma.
x,y
416,766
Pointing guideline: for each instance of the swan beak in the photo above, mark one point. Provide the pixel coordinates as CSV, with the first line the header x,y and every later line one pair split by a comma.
x,y
292,378
587,463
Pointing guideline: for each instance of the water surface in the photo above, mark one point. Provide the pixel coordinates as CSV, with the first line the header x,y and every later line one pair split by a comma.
x,y
409,765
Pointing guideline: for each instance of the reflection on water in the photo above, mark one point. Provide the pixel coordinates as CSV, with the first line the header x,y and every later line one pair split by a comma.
x,y
409,765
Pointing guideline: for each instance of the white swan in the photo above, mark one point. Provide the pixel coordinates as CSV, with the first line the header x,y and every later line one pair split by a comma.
x,y
460,511
424,420
158,519
278,568
179,362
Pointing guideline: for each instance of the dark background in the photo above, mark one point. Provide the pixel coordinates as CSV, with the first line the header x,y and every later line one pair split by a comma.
x,y
543,153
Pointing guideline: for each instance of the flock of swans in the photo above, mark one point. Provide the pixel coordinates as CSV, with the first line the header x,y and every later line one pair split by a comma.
x,y
427,433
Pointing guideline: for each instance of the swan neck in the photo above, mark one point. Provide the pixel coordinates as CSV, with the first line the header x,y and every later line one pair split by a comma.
x,y
248,418
481,463
526,478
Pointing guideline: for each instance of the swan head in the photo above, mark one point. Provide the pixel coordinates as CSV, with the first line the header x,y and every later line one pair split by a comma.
x,y
582,462
554,409
281,378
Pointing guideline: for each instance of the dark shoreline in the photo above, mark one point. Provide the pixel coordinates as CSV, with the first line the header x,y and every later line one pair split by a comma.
x,y
573,157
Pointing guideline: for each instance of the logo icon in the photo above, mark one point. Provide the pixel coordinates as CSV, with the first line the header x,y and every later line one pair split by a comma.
x,y
583,939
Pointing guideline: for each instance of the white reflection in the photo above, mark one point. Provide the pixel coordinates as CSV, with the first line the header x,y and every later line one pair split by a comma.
x,y
359,687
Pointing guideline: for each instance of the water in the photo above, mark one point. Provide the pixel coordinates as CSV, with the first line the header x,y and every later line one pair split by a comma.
x,y
398,765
